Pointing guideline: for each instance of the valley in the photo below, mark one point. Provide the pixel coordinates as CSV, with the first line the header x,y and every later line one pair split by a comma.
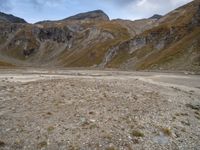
x,y
92,109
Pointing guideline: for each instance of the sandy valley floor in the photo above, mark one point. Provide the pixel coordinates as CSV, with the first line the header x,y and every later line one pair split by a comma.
x,y
88,110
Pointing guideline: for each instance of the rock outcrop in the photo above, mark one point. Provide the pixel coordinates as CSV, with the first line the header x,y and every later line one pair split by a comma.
x,y
156,16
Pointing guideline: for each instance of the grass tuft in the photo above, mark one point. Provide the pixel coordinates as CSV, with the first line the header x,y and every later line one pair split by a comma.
x,y
137,133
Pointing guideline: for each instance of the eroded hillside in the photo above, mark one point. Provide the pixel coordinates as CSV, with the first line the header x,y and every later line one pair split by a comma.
x,y
93,40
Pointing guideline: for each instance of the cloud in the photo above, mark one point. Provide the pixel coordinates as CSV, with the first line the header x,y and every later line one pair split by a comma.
x,y
123,2
137,9
153,2
36,10
40,4
160,6
5,5
119,2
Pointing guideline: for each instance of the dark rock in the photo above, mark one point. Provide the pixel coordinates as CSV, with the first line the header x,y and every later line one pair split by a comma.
x,y
196,19
28,52
156,16
55,34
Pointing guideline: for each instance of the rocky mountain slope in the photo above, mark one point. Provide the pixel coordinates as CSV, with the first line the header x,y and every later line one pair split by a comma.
x,y
10,18
91,39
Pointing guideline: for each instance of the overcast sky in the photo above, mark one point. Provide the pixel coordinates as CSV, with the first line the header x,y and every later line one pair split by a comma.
x,y
37,10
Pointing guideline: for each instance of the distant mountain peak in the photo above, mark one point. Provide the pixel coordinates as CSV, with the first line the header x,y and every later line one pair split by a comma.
x,y
91,15
10,18
156,16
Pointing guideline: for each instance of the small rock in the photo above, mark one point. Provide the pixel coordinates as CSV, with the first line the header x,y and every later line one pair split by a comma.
x,y
92,120
2,143
84,121
194,106
91,113
161,139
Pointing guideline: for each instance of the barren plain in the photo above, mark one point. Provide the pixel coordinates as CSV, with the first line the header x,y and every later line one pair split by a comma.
x,y
90,109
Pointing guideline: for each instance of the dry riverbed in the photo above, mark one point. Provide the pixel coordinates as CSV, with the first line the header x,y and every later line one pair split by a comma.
x,y
88,110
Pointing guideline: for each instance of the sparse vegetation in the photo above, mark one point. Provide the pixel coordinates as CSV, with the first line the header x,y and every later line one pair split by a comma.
x,y
137,133
42,144
166,131
50,128
5,64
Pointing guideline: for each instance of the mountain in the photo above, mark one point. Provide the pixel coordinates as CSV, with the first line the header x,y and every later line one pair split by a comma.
x,y
97,15
10,18
94,15
169,42
156,16
173,44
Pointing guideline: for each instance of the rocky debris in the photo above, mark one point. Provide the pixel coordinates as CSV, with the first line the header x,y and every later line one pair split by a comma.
x,y
111,53
94,110
137,43
7,29
159,39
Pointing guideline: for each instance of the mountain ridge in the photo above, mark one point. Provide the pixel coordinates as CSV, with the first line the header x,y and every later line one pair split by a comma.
x,y
10,18
95,15
91,39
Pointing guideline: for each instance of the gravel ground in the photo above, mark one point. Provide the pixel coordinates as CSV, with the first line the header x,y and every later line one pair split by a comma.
x,y
103,110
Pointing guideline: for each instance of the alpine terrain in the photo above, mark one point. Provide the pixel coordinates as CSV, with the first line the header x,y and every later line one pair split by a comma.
x,y
91,39
87,82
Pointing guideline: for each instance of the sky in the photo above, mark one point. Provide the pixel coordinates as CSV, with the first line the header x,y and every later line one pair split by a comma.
x,y
37,10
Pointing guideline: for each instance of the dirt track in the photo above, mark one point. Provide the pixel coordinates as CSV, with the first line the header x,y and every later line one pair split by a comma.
x,y
75,109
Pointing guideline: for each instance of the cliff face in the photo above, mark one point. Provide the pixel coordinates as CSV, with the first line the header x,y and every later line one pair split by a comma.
x,y
92,40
